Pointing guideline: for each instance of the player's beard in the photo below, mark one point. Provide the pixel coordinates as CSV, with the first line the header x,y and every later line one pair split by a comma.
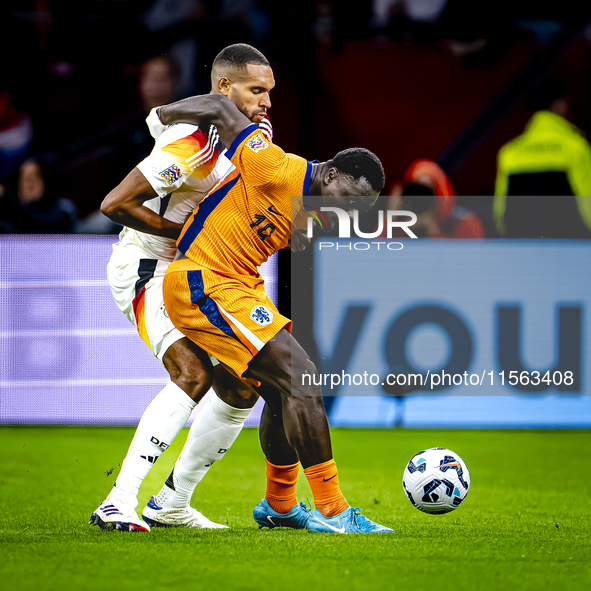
x,y
242,108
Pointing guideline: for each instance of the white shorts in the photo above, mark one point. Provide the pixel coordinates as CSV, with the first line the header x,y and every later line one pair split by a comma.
x,y
136,284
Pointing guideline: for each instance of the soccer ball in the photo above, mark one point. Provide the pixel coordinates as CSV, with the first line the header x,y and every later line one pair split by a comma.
x,y
436,480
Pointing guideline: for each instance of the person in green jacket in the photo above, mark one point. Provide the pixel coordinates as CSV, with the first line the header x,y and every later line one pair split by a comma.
x,y
543,184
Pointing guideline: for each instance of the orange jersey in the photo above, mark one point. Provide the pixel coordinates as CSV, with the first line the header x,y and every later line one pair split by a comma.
x,y
247,217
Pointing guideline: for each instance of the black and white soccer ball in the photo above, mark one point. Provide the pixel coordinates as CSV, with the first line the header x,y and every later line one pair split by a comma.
x,y
436,480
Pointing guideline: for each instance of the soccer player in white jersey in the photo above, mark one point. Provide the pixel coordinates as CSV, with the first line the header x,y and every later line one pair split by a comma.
x,y
153,202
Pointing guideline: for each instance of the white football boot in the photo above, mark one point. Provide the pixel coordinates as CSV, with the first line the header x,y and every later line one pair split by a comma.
x,y
118,513
177,517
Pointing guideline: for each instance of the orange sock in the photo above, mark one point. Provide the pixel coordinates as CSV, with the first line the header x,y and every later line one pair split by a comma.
x,y
324,482
281,486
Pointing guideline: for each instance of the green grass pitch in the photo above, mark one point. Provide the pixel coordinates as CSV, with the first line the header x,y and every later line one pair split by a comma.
x,y
524,525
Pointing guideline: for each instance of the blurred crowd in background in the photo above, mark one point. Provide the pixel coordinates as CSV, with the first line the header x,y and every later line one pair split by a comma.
x,y
478,110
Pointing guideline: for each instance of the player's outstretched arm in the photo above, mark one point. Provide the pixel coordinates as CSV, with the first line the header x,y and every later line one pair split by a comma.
x,y
124,205
208,108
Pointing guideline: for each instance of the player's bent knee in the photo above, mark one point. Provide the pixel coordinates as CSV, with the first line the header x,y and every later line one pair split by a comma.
x,y
282,365
195,386
190,368
305,404
304,379
243,398
232,390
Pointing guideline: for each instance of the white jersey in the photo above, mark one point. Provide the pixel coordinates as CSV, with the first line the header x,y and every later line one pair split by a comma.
x,y
186,163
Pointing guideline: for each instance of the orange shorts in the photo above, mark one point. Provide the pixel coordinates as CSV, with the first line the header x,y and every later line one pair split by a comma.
x,y
229,319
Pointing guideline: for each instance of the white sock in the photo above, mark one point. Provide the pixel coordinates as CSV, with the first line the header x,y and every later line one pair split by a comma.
x,y
161,422
212,433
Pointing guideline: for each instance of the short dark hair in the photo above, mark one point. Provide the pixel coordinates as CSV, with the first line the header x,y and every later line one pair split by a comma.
x,y
238,56
359,162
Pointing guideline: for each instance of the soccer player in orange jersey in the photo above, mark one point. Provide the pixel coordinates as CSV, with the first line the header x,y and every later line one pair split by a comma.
x,y
215,296
153,202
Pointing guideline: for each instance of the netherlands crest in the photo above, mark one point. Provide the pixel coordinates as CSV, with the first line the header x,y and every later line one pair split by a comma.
x,y
256,143
171,174
261,315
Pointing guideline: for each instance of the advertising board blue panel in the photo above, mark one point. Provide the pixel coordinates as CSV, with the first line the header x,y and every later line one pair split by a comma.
x,y
495,333
67,354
